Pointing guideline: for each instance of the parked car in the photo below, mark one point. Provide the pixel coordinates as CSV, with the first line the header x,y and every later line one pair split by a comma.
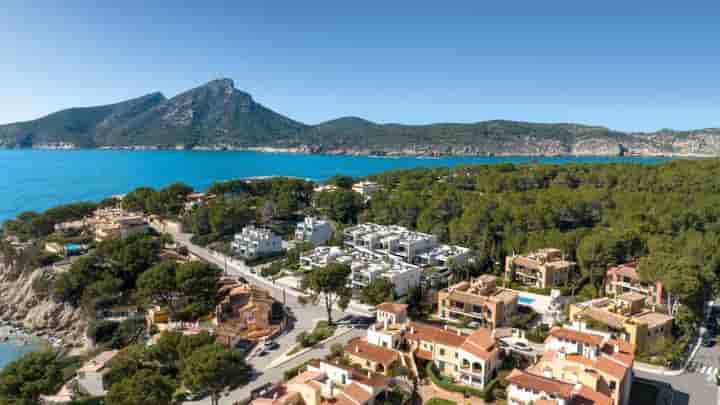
x,y
522,346
271,345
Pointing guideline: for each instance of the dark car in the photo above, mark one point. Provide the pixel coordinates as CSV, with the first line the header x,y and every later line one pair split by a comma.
x,y
708,341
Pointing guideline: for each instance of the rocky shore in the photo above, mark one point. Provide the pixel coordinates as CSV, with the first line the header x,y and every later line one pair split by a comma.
x,y
38,314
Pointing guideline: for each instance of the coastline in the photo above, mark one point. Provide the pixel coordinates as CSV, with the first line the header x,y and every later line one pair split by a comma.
x,y
376,154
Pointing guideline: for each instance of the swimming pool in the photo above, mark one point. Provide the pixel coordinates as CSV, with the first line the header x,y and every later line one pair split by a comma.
x,y
526,301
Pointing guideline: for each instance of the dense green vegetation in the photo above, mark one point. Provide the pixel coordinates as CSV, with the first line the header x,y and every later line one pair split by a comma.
x,y
378,291
667,215
166,202
105,276
30,224
35,374
177,363
274,202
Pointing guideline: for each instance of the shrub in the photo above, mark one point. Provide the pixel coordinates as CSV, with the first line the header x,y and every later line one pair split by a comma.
x,y
102,331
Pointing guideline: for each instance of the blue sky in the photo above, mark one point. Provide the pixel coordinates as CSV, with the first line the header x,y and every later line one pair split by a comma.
x,y
632,65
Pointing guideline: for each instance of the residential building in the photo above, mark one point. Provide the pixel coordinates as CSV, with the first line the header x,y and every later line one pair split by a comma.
x,y
325,187
365,267
119,313
245,312
402,244
67,249
366,188
193,200
624,278
577,365
119,226
471,359
544,268
313,230
253,243
479,299
371,357
326,383
627,318
525,388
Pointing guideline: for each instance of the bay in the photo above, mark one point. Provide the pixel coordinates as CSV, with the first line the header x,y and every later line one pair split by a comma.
x,y
39,179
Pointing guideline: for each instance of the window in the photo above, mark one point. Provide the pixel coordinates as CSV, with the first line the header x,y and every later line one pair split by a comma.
x,y
442,352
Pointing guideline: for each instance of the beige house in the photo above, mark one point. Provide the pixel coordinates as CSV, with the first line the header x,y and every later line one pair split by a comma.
x,y
326,383
624,278
479,299
544,268
578,366
377,359
627,318
470,359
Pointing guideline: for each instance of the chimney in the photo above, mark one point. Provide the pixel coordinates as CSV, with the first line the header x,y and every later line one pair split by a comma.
x,y
616,348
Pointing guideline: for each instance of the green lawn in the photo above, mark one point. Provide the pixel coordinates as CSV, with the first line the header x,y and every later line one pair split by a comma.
x,y
440,401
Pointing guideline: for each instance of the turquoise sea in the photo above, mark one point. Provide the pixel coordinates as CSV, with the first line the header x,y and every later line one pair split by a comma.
x,y
39,179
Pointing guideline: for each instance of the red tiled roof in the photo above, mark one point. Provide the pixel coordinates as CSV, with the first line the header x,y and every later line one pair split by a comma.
x,y
424,332
392,307
480,343
539,383
628,270
588,396
357,393
424,354
575,336
377,354
612,367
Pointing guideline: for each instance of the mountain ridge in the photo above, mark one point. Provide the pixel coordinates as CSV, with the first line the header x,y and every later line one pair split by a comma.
x,y
216,115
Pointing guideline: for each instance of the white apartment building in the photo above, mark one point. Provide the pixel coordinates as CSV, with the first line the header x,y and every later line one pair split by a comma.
x,y
411,247
313,230
365,267
366,188
253,243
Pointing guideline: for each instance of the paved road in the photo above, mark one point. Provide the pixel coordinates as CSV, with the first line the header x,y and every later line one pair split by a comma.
x,y
305,315
697,385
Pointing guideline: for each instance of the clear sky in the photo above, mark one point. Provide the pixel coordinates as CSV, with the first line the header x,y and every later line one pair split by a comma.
x,y
630,65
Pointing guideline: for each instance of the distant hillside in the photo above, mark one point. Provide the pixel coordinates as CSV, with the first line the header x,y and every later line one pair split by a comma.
x,y
218,116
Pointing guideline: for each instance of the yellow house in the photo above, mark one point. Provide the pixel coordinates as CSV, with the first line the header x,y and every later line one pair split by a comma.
x,y
627,318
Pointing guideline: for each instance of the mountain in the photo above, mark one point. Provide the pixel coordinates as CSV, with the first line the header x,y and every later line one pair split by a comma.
x,y
219,116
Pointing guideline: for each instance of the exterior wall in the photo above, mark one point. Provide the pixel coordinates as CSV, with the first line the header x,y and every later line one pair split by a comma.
x,y
368,364
383,339
405,281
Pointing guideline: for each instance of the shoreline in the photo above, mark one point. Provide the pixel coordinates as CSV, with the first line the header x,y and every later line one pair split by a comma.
x,y
367,154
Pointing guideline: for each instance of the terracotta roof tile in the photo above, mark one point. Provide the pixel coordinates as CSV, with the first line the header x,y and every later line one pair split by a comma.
x,y
424,332
357,393
576,336
392,307
587,396
377,354
481,344
539,383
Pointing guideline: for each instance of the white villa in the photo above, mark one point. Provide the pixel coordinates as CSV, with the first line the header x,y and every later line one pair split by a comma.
x,y
313,230
400,243
254,242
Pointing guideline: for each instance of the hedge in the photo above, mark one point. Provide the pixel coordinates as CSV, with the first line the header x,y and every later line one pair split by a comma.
x,y
449,385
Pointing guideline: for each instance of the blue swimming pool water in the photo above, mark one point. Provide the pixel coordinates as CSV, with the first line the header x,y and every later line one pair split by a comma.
x,y
525,300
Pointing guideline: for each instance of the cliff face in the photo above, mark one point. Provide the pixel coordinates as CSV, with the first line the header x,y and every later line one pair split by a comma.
x,y
23,306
